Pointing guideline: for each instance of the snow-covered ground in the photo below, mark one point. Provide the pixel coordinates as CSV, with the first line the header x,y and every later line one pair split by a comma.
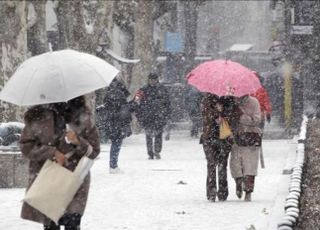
x,y
169,194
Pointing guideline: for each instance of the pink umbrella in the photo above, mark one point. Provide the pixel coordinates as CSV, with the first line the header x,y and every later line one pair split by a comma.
x,y
223,77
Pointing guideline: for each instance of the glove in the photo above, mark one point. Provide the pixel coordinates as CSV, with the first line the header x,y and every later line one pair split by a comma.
x,y
268,118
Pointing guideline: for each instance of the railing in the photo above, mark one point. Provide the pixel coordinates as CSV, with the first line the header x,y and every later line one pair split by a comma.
x,y
292,200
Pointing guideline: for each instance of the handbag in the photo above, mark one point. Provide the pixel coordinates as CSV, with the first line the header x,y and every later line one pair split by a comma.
x,y
248,139
224,129
55,186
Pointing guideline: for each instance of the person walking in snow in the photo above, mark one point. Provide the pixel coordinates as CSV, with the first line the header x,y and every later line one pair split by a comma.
x,y
117,119
245,151
220,116
44,137
264,101
153,112
192,104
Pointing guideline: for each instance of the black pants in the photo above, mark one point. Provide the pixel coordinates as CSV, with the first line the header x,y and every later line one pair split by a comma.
x,y
71,221
154,141
217,154
195,126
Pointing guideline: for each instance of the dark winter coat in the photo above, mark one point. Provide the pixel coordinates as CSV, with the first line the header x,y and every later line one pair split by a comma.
x,y
42,135
231,113
117,116
154,109
192,99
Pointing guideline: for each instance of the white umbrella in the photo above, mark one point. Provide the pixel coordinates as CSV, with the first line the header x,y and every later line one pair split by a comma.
x,y
57,77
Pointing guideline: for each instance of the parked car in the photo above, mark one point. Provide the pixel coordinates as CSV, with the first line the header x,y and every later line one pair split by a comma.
x,y
10,133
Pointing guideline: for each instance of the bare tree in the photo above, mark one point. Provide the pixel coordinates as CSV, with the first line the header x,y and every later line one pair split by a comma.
x,y
37,36
143,40
74,24
13,40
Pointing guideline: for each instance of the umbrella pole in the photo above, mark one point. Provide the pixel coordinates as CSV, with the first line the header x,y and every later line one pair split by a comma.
x,y
261,157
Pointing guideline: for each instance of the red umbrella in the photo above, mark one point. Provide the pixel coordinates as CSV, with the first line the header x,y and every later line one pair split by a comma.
x,y
223,77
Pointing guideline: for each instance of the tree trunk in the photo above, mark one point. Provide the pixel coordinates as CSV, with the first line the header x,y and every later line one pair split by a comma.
x,y
190,17
72,25
37,34
13,40
143,40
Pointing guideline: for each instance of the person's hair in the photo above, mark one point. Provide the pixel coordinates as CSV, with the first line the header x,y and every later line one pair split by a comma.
x,y
74,108
153,76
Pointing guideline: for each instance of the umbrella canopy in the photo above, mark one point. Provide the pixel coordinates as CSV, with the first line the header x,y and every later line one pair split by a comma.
x,y
223,77
57,77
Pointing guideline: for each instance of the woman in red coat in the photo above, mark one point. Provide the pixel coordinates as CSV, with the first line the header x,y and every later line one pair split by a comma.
x,y
265,106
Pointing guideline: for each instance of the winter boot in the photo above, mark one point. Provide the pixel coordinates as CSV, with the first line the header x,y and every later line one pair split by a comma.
x,y
223,195
151,155
157,156
71,221
239,185
247,197
51,226
249,183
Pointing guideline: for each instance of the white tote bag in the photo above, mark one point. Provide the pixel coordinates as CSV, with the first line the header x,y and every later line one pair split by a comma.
x,y
55,186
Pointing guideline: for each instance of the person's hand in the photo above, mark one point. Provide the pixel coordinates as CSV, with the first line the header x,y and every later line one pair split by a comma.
x,y
59,157
268,118
219,107
71,137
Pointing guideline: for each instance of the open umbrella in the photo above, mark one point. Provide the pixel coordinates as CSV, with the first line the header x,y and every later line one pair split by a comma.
x,y
223,77
57,77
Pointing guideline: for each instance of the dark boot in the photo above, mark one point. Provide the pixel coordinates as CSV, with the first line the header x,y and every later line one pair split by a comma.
x,y
239,185
249,183
151,155
71,221
157,156
51,226
247,197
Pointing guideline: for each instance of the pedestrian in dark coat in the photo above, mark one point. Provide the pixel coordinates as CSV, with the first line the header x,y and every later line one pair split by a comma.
x,y
192,104
215,110
43,137
153,113
117,119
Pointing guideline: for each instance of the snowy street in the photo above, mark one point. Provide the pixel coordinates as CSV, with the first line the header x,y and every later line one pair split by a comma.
x,y
169,194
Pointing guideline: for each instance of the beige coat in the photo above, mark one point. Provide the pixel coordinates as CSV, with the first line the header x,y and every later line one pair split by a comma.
x,y
244,159
39,142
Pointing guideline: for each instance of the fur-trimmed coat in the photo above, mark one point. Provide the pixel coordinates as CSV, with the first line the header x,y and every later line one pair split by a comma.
x,y
42,135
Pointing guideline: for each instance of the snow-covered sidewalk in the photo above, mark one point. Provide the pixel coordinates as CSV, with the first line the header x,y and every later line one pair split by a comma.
x,y
169,194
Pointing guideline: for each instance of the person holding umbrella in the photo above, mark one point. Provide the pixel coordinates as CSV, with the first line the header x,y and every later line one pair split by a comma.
x,y
220,116
51,132
222,78
245,151
59,125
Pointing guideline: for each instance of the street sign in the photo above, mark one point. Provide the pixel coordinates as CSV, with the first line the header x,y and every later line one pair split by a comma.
x,y
174,42
302,30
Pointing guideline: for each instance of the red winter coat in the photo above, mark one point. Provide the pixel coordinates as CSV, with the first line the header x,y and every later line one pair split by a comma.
x,y
264,101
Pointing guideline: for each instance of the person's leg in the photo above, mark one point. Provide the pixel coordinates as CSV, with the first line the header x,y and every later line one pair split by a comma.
x,y
236,168
250,157
211,187
223,156
248,186
71,221
114,152
158,143
149,141
239,186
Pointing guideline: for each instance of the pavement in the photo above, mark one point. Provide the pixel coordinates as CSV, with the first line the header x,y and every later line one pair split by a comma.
x,y
169,194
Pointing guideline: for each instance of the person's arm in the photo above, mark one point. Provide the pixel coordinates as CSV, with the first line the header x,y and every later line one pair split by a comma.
x,y
87,144
31,147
